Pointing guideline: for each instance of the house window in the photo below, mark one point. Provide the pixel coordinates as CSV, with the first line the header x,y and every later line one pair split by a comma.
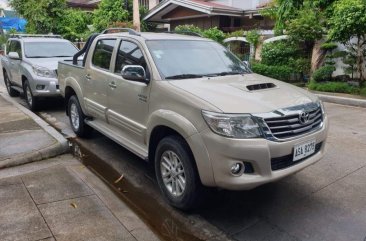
x,y
144,3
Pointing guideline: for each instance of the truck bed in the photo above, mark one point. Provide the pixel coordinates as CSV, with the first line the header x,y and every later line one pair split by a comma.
x,y
67,70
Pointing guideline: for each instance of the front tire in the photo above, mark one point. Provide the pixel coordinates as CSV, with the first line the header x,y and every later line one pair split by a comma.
x,y
11,91
77,117
31,100
177,174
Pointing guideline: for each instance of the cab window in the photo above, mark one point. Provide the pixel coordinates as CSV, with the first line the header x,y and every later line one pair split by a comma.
x,y
103,53
129,54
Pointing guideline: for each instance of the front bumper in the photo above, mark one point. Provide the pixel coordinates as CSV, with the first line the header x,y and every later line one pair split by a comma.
x,y
50,89
224,152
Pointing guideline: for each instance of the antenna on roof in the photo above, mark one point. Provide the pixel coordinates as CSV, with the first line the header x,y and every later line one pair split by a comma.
x,y
118,30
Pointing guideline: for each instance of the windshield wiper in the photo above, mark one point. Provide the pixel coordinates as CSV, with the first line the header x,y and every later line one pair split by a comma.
x,y
184,76
225,73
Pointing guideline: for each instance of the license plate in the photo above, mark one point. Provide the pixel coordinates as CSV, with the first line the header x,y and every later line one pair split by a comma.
x,y
304,149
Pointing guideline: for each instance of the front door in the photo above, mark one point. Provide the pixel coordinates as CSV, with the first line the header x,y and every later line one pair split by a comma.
x,y
14,64
128,100
97,78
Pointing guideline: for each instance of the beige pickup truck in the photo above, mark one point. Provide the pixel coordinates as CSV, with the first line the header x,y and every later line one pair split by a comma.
x,y
191,107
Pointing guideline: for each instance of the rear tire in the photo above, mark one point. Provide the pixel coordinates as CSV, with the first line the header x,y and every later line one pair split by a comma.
x,y
11,91
31,100
77,118
177,174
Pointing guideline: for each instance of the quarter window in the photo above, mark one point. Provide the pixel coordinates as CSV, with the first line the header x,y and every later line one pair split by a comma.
x,y
103,53
129,54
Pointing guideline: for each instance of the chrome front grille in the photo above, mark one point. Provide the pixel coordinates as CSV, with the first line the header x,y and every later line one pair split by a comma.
x,y
294,121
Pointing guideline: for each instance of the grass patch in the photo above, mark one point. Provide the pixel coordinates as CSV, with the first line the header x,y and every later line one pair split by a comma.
x,y
336,87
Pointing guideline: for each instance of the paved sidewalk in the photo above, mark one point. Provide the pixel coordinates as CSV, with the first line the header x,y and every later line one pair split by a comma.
x,y
24,137
60,199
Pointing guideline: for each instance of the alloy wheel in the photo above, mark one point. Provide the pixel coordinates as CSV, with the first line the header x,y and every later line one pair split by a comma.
x,y
74,114
172,172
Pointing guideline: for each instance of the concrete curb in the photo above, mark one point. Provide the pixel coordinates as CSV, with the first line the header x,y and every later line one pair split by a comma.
x,y
342,100
61,146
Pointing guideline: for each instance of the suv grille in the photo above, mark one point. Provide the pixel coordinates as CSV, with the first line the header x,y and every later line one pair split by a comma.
x,y
288,126
282,162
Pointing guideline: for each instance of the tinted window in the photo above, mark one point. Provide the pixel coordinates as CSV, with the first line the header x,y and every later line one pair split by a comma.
x,y
103,53
49,49
129,54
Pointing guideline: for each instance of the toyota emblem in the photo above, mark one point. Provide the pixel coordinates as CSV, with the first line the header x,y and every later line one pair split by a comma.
x,y
304,117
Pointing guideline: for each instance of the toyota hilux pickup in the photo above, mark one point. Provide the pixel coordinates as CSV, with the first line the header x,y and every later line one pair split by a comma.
x,y
30,65
194,110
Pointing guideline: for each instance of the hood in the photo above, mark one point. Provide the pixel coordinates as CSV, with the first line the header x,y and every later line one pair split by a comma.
x,y
251,93
49,63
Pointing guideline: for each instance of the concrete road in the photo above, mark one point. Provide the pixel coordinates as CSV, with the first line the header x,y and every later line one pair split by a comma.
x,y
326,201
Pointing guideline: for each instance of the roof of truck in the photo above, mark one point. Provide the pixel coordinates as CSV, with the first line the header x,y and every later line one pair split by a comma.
x,y
157,36
41,39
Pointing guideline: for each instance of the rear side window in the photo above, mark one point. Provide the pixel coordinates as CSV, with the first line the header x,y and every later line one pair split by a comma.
x,y
129,54
103,53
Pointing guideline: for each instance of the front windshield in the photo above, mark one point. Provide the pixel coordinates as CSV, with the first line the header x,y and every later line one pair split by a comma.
x,y
49,49
179,59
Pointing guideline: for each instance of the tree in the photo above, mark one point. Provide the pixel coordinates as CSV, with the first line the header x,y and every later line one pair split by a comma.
x,y
43,16
253,38
111,11
347,25
74,23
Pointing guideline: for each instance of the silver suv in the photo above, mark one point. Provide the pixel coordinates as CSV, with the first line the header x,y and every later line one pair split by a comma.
x,y
30,65
191,107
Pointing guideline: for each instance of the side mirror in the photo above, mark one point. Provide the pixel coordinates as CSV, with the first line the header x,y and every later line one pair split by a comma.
x,y
134,73
247,64
14,55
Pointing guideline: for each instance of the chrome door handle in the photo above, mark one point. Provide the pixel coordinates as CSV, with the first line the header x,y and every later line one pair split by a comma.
x,y
112,85
87,77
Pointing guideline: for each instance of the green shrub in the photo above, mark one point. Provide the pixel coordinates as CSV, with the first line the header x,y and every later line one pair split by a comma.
x,y
335,87
323,73
363,91
188,28
278,53
214,34
277,72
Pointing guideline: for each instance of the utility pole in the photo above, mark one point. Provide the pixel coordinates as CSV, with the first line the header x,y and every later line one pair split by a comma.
x,y
136,15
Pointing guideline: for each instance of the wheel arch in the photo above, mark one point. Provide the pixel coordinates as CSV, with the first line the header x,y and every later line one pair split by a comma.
x,y
166,123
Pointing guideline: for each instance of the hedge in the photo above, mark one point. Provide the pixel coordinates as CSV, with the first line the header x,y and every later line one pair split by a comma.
x,y
277,72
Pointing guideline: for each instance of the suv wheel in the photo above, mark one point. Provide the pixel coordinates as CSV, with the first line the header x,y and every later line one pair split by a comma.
x,y
11,91
77,118
176,173
29,98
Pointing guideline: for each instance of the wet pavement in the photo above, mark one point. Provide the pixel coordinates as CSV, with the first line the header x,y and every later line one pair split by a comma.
x,y
326,201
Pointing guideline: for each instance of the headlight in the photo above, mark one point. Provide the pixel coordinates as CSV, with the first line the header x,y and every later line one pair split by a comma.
x,y
44,72
241,126
321,106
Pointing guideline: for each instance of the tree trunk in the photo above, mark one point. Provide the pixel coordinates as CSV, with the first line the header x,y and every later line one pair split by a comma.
x,y
360,59
136,15
317,56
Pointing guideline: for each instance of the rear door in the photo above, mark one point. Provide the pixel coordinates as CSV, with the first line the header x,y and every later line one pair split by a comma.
x,y
128,100
97,78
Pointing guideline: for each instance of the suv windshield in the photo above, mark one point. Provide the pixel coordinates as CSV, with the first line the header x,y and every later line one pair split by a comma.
x,y
180,59
49,49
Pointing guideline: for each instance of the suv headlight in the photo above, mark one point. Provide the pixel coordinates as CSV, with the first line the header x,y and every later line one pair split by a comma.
x,y
241,126
44,72
321,106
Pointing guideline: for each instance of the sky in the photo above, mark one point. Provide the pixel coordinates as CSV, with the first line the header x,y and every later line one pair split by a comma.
x,y
4,4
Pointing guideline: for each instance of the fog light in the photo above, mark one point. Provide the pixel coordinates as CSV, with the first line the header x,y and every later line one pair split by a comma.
x,y
237,169
40,87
